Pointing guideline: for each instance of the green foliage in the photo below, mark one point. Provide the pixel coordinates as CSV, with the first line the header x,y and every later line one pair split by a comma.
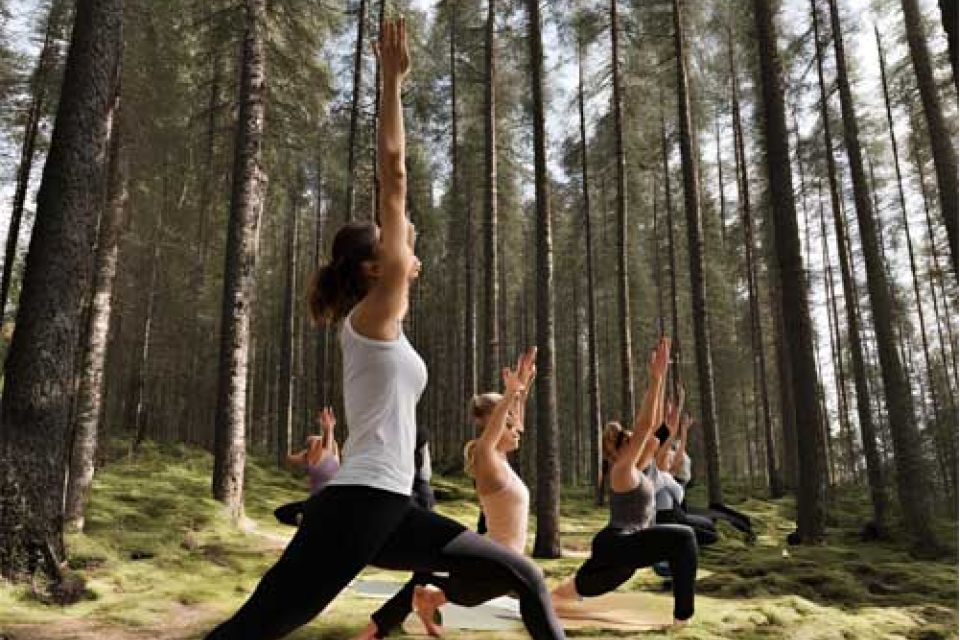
x,y
159,554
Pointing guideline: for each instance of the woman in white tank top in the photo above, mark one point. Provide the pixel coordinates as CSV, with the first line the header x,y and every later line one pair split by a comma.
x,y
365,516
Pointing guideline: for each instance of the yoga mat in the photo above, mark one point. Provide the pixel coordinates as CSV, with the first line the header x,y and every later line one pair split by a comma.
x,y
637,611
499,614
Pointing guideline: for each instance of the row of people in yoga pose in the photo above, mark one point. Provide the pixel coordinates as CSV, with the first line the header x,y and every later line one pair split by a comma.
x,y
374,507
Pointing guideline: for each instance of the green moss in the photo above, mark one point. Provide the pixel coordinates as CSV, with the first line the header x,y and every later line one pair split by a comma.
x,y
158,551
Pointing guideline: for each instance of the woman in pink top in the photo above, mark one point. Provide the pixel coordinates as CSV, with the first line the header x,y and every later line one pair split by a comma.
x,y
320,459
503,496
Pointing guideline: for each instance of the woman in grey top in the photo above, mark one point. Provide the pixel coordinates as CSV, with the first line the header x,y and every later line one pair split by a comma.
x,y
632,540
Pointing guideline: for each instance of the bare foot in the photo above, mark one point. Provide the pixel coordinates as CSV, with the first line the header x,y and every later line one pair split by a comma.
x,y
680,623
564,594
425,602
370,633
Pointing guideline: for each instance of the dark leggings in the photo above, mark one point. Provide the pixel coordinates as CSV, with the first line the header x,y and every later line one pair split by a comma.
x,y
346,528
702,526
717,511
617,555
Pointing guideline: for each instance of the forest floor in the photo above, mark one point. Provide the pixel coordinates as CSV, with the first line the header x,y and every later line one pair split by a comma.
x,y
161,561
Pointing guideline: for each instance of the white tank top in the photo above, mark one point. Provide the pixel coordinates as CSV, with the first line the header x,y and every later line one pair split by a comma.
x,y
507,510
382,382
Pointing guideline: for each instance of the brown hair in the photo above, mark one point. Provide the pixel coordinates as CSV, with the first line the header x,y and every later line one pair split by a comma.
x,y
340,284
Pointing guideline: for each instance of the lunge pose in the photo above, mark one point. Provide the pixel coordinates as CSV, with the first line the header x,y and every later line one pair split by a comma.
x,y
502,494
632,540
321,460
365,514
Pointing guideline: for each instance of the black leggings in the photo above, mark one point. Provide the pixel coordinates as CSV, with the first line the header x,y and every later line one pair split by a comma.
x,y
702,526
616,555
717,511
344,529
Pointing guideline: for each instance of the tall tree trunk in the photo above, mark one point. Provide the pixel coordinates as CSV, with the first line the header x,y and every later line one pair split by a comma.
x,y
39,389
547,542
246,205
911,468
623,284
937,276
490,373
322,339
941,140
753,288
671,251
855,335
90,393
942,444
285,432
695,249
593,375
38,86
811,513
355,110
720,187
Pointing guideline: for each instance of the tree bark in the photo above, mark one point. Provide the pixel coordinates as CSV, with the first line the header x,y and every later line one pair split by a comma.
x,y
949,17
355,110
855,334
246,205
623,284
547,542
594,422
285,432
490,373
911,468
941,140
811,513
39,371
90,394
695,249
753,287
675,375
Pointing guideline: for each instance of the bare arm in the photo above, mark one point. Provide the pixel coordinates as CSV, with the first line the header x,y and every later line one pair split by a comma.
x,y
387,301
638,452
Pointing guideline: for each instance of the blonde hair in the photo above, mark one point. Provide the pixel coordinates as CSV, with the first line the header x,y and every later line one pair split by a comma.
x,y
469,458
611,439
483,404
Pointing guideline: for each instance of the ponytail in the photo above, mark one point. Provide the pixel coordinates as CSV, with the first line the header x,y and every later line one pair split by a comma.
x,y
470,458
336,287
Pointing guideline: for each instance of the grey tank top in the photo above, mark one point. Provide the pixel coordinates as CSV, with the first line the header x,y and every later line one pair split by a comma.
x,y
633,510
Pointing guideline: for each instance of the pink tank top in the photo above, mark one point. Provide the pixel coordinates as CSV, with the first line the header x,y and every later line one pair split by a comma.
x,y
507,511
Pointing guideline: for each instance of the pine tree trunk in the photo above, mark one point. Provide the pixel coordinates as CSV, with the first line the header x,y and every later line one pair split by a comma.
x,y
798,328
355,110
246,205
489,376
39,389
671,252
594,422
547,542
941,140
855,334
285,432
695,249
90,393
936,277
39,82
753,288
911,468
943,444
623,285
720,187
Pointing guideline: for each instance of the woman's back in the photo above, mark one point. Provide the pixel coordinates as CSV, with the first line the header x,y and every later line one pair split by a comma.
x,y
507,511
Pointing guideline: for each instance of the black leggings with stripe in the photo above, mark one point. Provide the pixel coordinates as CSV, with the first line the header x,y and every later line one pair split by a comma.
x,y
346,528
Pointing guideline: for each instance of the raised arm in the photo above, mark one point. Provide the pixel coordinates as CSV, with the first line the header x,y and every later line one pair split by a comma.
x,y
387,301
682,449
638,451
527,371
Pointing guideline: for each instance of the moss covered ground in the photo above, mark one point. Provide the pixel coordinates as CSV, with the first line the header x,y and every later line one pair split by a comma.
x,y
162,560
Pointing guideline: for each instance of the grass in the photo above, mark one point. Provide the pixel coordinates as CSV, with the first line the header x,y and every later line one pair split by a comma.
x,y
161,559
